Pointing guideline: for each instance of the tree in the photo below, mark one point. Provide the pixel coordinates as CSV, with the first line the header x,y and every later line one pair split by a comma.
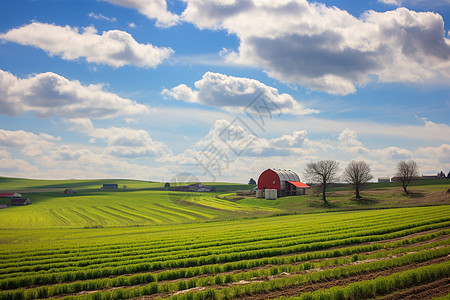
x,y
252,181
357,173
406,171
322,172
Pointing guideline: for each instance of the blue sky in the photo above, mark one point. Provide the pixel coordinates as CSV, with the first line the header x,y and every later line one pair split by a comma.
x,y
221,89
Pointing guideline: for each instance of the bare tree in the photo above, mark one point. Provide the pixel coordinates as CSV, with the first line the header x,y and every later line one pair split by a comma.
x,y
322,172
357,173
406,171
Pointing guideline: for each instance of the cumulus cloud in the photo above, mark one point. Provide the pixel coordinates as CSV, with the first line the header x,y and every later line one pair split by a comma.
x,y
41,155
441,153
30,144
4,153
49,94
294,140
219,90
152,9
121,142
115,48
327,48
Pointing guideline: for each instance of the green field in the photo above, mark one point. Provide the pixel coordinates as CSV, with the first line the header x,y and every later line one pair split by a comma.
x,y
147,242
141,203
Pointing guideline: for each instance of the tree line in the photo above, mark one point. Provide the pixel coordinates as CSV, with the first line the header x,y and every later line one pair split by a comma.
x,y
356,173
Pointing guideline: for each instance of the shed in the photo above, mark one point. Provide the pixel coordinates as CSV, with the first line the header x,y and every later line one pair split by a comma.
x,y
20,201
286,182
384,179
110,186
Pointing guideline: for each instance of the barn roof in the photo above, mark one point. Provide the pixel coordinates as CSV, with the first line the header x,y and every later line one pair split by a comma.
x,y
299,184
10,195
286,175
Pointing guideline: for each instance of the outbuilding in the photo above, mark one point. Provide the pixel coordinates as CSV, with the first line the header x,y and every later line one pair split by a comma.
x,y
286,182
110,186
20,201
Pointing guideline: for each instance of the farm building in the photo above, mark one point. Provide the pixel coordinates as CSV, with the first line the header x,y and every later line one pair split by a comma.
x,y
10,195
196,187
110,186
69,191
286,182
384,179
20,201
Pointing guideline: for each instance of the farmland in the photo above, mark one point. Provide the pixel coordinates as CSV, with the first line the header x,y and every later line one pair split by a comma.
x,y
175,245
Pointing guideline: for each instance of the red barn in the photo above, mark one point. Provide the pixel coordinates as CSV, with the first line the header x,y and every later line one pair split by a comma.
x,y
286,182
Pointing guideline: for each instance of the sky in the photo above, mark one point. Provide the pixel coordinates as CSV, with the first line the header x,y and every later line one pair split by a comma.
x,y
221,89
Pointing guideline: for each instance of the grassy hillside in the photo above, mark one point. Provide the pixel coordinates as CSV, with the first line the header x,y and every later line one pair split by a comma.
x,y
141,203
149,203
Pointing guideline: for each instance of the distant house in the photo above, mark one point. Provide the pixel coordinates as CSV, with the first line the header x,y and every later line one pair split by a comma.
x,y
69,191
429,177
110,186
196,187
10,195
384,179
20,201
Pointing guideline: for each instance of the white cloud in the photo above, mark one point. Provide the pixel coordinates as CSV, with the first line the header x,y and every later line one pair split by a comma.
x,y
295,140
121,142
219,90
348,142
31,145
115,48
16,168
49,94
152,9
26,154
101,17
391,2
441,153
4,153
326,48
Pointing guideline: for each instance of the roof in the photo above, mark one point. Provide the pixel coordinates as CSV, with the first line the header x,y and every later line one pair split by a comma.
x,y
286,175
10,195
299,184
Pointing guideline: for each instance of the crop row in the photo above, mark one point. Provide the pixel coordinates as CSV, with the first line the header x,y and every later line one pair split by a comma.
x,y
284,264
102,262
183,241
58,277
382,285
248,289
437,271
176,244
